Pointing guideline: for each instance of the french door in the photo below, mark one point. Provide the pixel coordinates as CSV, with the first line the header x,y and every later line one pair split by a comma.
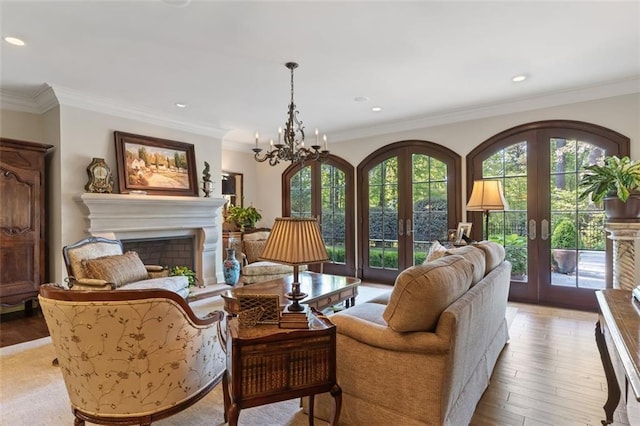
x,y
325,191
407,199
555,242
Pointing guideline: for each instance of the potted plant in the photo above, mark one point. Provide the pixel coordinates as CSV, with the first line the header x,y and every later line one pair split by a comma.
x,y
183,270
243,217
564,243
617,183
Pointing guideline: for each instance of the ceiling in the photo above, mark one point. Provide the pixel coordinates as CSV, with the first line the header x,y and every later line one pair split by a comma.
x,y
421,62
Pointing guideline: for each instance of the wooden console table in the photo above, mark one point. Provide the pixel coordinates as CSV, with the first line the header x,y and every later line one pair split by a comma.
x,y
618,340
267,364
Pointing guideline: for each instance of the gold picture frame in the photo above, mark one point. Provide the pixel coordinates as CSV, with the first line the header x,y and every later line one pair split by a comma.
x,y
155,166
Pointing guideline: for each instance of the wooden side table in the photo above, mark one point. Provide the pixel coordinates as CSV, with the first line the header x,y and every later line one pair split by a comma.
x,y
268,364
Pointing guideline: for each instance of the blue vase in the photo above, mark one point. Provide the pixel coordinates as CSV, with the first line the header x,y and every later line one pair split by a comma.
x,y
231,268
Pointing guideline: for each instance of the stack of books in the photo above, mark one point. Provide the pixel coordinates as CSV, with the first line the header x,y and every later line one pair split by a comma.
x,y
292,319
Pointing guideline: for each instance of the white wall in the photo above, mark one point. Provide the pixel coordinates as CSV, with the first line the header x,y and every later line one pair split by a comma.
x,y
79,135
22,126
621,113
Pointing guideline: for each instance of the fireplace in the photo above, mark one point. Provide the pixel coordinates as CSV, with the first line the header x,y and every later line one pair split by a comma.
x,y
130,217
178,251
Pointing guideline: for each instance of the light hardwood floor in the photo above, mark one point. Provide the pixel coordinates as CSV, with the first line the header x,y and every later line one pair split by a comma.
x,y
550,373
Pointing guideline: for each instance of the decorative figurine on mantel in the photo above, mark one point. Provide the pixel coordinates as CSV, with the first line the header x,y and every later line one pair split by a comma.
x,y
100,178
207,185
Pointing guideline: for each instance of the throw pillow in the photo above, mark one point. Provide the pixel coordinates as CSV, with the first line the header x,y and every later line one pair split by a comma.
x,y
421,293
253,249
119,269
436,251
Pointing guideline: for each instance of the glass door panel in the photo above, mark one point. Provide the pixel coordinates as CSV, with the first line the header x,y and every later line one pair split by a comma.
x,y
509,228
300,193
577,227
333,200
383,215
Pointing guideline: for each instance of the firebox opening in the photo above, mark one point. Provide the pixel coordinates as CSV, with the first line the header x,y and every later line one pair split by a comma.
x,y
170,251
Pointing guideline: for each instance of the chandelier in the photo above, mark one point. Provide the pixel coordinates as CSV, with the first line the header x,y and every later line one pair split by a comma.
x,y
292,148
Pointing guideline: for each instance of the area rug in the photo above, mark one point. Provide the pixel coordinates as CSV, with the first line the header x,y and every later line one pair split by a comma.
x,y
32,391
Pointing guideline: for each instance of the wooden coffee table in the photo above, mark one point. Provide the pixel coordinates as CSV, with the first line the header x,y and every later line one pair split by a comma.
x,y
322,290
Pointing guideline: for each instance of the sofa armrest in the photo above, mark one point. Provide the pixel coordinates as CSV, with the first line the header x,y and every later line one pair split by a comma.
x,y
382,336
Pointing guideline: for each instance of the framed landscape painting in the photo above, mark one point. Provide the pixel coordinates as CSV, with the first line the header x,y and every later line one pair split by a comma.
x,y
155,166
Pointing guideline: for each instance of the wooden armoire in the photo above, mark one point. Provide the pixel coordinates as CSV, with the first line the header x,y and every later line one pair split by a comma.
x,y
22,221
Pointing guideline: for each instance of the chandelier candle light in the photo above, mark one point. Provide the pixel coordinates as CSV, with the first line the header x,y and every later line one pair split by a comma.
x,y
293,148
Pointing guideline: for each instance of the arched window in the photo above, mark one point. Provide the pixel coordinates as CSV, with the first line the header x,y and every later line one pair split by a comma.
x,y
325,190
409,196
539,165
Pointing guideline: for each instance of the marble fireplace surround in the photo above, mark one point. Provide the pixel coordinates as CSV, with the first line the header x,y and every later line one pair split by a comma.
x,y
129,216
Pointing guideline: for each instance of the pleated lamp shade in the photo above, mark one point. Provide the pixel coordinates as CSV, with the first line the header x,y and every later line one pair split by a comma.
x,y
295,241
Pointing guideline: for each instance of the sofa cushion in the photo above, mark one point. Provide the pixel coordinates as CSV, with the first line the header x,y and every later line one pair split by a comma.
x,y
118,269
422,292
493,253
473,255
253,249
177,284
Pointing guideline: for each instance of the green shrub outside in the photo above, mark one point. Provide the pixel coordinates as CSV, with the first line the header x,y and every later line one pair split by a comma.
x,y
564,235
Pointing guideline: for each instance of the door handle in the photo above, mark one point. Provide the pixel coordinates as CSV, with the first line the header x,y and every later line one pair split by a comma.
x,y
532,229
400,227
544,229
409,229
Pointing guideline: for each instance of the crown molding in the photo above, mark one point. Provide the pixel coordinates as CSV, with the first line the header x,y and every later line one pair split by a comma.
x,y
50,96
546,100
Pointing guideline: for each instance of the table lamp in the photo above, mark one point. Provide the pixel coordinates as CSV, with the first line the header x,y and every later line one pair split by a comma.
x,y
486,196
295,241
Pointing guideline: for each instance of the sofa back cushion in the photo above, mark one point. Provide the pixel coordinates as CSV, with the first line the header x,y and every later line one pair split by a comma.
x,y
473,255
253,245
119,269
421,293
493,253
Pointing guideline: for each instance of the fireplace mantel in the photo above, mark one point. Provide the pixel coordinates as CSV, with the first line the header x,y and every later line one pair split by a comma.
x,y
127,216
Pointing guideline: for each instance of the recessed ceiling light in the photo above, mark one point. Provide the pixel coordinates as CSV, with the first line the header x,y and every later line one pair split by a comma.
x,y
15,41
361,99
519,78
376,109
181,105
177,3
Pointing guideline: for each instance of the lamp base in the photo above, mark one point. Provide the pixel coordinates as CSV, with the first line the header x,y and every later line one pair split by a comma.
x,y
295,297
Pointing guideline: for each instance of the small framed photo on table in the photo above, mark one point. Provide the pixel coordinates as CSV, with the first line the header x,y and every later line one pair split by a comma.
x,y
464,230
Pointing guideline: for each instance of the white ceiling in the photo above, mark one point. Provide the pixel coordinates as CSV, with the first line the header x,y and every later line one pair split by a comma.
x,y
419,61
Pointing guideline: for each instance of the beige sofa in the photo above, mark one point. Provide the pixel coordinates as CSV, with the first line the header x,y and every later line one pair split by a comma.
x,y
423,353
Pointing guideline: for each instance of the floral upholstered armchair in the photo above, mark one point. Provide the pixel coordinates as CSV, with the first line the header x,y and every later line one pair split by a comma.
x,y
97,263
132,356
255,270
